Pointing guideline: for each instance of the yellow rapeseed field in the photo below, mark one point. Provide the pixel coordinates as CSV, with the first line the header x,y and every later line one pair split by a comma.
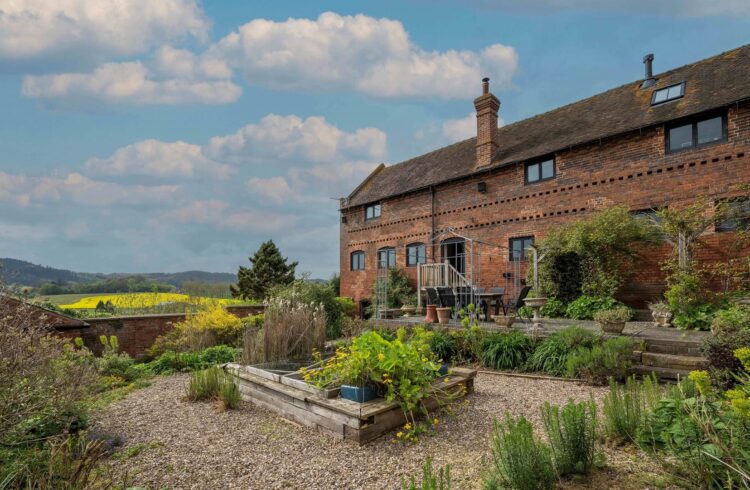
x,y
145,300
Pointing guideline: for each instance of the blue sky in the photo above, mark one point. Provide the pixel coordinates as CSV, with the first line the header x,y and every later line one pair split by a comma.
x,y
178,135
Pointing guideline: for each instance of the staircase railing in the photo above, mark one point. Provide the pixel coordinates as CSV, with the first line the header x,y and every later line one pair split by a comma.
x,y
440,274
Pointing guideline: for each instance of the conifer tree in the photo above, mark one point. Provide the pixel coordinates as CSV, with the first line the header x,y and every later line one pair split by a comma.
x,y
268,269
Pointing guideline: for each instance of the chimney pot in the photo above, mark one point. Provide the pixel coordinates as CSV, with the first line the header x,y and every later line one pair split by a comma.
x,y
485,86
649,79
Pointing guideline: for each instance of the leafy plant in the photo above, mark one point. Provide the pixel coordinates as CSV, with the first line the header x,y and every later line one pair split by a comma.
x,y
211,326
615,315
444,345
553,308
551,355
584,307
431,480
506,350
572,436
171,362
519,460
731,319
719,351
596,365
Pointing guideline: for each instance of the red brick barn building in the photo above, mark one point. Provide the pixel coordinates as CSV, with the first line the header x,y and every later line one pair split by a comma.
x,y
647,144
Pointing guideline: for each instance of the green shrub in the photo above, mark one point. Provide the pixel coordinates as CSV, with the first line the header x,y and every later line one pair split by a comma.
x,y
430,479
584,307
596,365
444,345
519,460
731,319
346,305
171,362
116,364
551,355
719,351
553,308
506,350
689,301
572,436
625,407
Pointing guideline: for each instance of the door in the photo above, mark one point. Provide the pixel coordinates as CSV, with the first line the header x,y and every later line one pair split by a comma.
x,y
453,251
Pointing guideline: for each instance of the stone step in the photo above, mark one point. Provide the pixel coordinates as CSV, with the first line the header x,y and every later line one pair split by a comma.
x,y
673,361
662,373
673,347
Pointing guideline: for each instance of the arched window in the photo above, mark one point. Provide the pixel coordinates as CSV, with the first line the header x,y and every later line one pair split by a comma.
x,y
387,258
358,261
416,254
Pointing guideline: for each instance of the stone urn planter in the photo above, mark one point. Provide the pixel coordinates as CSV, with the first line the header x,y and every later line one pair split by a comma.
x,y
431,316
408,310
613,320
444,315
536,325
662,318
504,321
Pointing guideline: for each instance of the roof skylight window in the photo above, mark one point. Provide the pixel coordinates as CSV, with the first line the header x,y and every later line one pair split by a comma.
x,y
668,93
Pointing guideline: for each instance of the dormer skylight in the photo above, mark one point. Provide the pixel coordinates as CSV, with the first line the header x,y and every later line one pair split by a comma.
x,y
668,93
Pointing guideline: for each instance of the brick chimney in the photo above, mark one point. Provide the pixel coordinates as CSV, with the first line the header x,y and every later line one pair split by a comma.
x,y
487,106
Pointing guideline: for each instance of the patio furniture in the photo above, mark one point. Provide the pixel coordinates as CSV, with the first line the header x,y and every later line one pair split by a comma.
x,y
519,301
432,296
493,297
463,296
447,297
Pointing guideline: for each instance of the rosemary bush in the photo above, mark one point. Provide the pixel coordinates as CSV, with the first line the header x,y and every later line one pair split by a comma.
x,y
625,407
519,460
572,435
431,480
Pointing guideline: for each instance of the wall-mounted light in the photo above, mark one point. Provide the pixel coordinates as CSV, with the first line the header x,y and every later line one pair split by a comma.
x,y
482,187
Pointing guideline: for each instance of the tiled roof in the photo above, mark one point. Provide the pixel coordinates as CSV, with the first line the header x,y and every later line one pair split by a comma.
x,y
711,83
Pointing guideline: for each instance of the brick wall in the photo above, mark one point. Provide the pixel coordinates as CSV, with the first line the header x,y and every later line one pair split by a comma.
x,y
631,170
136,333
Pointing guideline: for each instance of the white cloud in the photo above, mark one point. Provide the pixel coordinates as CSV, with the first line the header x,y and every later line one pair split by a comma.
x,y
222,215
130,83
152,158
25,190
690,8
275,189
47,29
361,53
293,140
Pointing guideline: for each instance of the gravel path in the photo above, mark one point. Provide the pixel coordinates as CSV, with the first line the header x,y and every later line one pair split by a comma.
x,y
170,443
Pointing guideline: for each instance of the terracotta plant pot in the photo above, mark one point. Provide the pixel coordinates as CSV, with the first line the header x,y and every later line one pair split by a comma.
x,y
504,321
615,328
444,315
431,316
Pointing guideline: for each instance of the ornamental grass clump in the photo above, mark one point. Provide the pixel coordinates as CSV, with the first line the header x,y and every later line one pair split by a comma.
x,y
214,384
551,355
519,460
292,329
572,436
506,351
431,480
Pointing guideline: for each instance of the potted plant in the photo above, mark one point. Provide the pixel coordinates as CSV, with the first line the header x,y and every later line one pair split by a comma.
x,y
504,321
661,314
443,314
613,320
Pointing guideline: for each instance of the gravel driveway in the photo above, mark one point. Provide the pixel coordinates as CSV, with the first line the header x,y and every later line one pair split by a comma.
x,y
170,443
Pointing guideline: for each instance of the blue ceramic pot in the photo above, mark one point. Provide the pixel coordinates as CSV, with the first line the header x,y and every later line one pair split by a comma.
x,y
359,394
443,369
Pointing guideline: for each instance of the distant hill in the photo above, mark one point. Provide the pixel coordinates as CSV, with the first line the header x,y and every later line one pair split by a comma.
x,y
22,273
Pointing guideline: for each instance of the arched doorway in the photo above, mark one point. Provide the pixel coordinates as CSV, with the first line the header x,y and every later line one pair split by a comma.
x,y
453,250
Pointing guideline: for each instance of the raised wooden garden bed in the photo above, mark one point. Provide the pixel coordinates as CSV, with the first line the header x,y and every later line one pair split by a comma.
x,y
323,410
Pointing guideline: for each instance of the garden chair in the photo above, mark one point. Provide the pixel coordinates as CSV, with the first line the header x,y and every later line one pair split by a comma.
x,y
432,296
515,306
447,297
